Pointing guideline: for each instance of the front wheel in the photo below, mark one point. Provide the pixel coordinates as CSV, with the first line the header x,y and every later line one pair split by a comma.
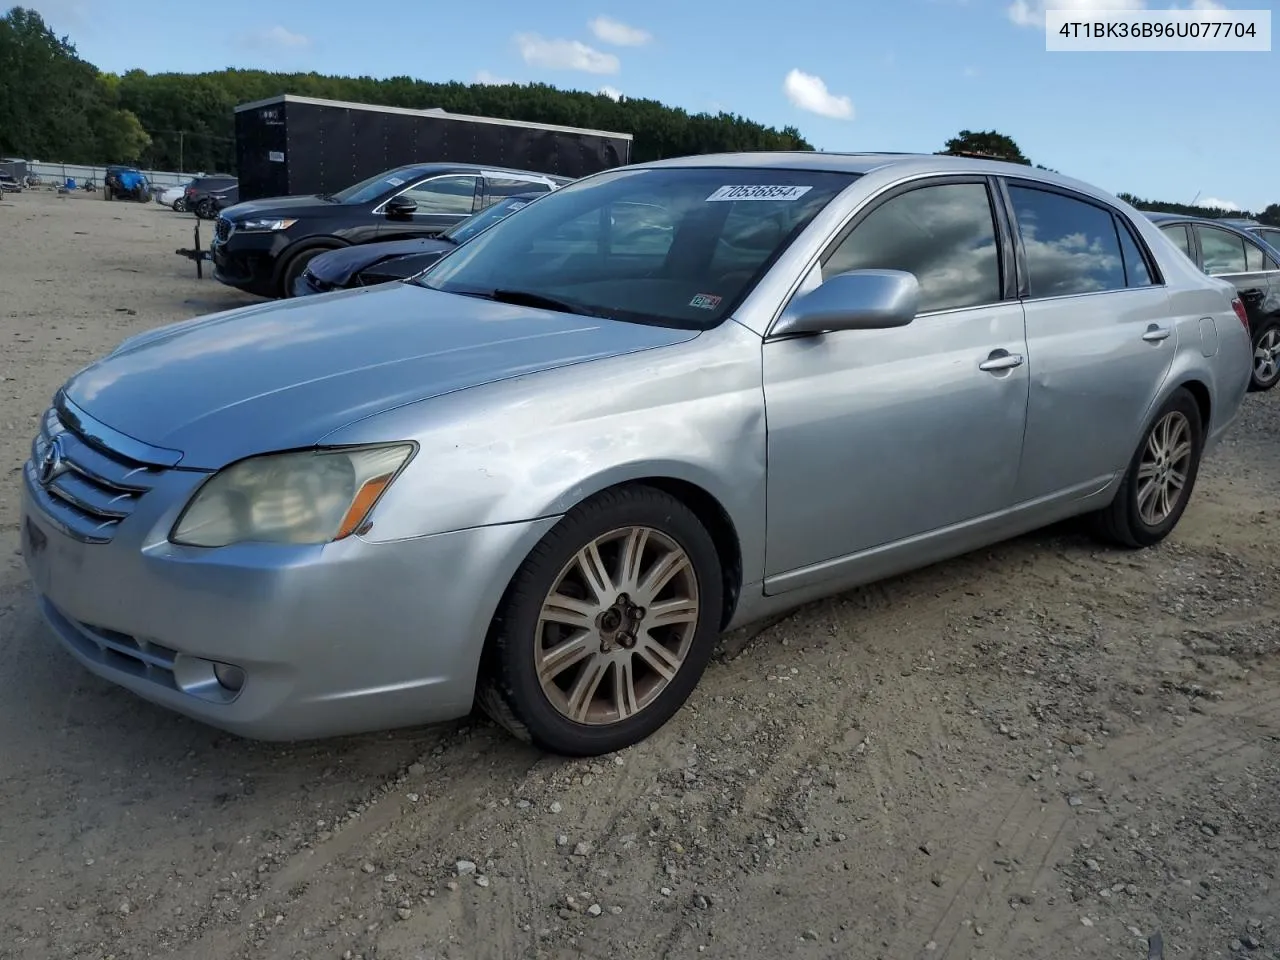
x,y
1266,357
1159,479
607,627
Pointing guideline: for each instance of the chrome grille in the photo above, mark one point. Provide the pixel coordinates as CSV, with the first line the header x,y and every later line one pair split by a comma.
x,y
222,228
85,487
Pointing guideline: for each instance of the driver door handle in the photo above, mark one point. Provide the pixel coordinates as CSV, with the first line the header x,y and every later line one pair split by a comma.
x,y
1155,333
1001,361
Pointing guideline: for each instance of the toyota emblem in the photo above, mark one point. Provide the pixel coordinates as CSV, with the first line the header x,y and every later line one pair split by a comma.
x,y
52,464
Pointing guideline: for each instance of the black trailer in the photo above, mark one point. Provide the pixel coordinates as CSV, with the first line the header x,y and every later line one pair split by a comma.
x,y
300,145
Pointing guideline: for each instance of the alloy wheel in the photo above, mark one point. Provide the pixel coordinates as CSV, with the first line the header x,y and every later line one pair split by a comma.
x,y
1162,472
616,626
1266,357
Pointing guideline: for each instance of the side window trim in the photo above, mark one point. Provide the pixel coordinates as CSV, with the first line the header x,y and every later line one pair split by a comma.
x,y
892,193
1262,254
1069,194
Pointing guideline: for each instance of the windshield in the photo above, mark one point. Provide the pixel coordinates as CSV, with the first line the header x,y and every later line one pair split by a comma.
x,y
675,246
366,191
486,218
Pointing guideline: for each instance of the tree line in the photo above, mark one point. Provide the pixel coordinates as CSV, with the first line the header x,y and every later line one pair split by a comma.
x,y
57,107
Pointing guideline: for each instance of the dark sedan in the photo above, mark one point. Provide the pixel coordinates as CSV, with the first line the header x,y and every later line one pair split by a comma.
x,y
370,263
263,246
1244,259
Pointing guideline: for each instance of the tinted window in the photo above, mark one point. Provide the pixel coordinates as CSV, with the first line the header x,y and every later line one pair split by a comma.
x,y
1222,252
1254,258
453,195
944,234
1071,245
669,245
499,187
1136,271
1177,232
1270,237
486,218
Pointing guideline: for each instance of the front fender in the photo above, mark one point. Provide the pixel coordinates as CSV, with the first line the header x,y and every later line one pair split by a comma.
x,y
534,446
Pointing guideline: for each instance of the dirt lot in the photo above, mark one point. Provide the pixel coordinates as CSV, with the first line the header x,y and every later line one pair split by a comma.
x,y
1044,750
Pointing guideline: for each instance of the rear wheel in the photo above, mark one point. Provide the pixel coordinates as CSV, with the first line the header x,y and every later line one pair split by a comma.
x,y
1160,477
180,205
204,209
1266,357
607,627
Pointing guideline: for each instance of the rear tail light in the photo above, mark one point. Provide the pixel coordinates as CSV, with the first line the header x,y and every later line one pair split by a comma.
x,y
1238,306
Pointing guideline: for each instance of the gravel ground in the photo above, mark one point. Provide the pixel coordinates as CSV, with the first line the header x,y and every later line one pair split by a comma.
x,y
1044,749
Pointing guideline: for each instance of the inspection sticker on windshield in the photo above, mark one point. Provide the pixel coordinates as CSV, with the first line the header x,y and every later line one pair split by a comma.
x,y
757,192
706,301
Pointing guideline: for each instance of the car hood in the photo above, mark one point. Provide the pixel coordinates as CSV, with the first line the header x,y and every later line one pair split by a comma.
x,y
282,375
276,206
338,266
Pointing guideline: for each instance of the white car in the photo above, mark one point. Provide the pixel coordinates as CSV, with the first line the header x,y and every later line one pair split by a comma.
x,y
173,197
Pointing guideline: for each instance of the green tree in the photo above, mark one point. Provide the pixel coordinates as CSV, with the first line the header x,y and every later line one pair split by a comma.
x,y
989,143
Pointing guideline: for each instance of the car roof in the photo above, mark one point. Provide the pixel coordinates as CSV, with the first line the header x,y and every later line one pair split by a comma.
x,y
1161,217
869,162
420,169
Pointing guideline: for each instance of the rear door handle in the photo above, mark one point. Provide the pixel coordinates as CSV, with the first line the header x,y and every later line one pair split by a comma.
x,y
1155,334
1001,361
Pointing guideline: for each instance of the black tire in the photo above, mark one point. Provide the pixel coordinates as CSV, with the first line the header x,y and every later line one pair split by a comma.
x,y
294,267
1264,376
180,205
1122,523
204,209
509,689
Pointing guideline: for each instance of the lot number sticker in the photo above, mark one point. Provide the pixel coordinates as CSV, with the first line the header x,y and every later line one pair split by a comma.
x,y
757,192
705,301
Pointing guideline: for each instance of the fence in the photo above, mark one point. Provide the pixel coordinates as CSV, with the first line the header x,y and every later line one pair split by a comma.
x,y
60,172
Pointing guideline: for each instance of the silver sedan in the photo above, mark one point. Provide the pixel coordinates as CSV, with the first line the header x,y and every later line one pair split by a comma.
x,y
665,400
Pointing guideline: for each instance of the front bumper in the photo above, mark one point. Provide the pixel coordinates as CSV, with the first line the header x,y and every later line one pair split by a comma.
x,y
248,261
346,638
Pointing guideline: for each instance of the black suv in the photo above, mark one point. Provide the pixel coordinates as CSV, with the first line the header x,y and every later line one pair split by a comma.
x,y
202,193
263,246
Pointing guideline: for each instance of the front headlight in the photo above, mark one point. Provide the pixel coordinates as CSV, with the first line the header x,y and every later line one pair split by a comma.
x,y
264,225
302,498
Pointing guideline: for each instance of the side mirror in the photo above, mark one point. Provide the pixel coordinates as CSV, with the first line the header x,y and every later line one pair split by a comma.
x,y
401,206
857,300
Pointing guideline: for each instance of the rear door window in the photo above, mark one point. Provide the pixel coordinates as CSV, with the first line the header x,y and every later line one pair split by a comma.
x,y
1071,245
1222,252
1177,232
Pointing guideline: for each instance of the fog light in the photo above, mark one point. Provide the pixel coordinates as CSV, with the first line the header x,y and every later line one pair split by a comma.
x,y
232,678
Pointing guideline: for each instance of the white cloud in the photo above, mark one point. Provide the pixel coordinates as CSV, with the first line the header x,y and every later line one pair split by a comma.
x,y
1219,204
538,51
608,30
613,93
1030,13
809,92
276,38
484,76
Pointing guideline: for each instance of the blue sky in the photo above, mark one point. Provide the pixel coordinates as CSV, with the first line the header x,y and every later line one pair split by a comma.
x,y
856,75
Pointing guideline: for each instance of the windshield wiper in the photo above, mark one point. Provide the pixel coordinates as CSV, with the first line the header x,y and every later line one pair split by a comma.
x,y
528,298
326,197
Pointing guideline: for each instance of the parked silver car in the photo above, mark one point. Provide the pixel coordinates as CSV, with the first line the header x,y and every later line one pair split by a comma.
x,y
548,472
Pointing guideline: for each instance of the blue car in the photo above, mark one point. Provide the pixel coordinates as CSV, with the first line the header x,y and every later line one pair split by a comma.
x,y
127,183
